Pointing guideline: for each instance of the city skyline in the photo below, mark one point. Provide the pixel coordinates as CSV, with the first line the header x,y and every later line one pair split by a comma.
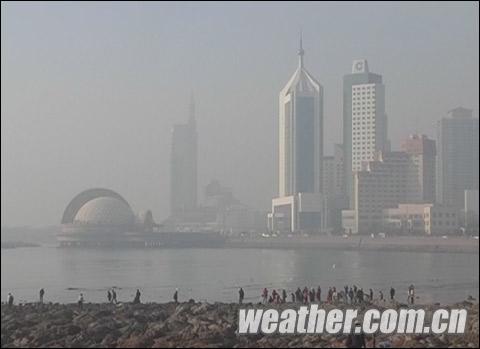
x,y
28,116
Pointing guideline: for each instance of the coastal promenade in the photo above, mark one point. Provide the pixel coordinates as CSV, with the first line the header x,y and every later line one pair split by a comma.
x,y
363,242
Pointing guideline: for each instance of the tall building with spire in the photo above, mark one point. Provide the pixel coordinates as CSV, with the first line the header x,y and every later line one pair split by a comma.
x,y
297,207
183,165
300,133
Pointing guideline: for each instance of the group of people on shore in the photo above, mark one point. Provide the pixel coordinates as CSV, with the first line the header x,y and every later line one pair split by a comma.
x,y
348,295
353,295
111,297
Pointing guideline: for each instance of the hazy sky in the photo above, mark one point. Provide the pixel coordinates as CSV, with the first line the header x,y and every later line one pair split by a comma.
x,y
90,91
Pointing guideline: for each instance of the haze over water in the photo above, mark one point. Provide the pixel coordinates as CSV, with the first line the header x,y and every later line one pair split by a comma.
x,y
216,274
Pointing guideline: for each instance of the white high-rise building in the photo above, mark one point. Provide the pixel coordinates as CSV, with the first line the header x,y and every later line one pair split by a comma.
x,y
364,120
300,204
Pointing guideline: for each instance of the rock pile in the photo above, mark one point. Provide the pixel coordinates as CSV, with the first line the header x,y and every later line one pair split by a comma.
x,y
187,325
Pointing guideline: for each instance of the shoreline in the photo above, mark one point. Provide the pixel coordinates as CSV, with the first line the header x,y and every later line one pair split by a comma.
x,y
188,324
467,245
362,243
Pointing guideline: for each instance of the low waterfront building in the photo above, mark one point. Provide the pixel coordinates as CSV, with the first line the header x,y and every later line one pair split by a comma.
x,y
393,179
300,213
426,218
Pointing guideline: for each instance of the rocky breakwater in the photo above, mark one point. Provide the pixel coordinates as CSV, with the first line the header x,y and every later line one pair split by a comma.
x,y
181,325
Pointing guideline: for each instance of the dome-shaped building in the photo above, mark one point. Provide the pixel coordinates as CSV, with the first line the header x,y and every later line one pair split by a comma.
x,y
98,217
105,211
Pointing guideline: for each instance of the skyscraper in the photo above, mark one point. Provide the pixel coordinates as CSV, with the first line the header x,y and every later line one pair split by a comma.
x,y
457,163
300,133
183,165
364,120
300,204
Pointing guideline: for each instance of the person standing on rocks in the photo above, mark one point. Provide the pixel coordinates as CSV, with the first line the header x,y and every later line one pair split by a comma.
x,y
411,294
329,295
381,296
241,294
175,296
298,294
114,296
305,295
265,295
356,340
361,295
80,301
136,300
109,296
392,294
334,295
10,300
274,296
41,294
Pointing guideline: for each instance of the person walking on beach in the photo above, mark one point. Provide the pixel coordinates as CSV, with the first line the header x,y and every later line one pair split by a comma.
x,y
114,296
392,294
80,301
319,294
241,294
109,296
381,296
175,296
284,296
292,295
41,294
10,300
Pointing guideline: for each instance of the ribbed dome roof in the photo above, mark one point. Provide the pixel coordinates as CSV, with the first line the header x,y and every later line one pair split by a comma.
x,y
105,211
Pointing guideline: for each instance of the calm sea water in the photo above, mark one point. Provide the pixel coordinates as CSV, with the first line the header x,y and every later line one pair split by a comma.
x,y
216,274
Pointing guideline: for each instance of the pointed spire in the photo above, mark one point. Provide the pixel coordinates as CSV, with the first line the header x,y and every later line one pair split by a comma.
x,y
301,52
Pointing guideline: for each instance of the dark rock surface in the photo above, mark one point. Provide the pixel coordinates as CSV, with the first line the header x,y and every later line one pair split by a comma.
x,y
181,325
